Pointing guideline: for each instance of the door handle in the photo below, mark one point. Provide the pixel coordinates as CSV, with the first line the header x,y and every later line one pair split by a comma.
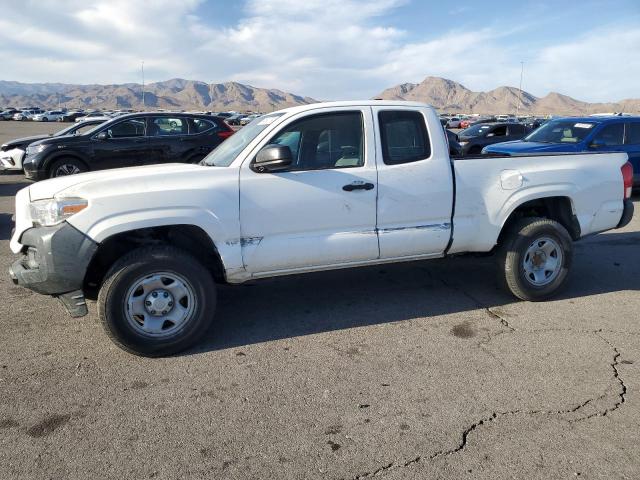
x,y
358,186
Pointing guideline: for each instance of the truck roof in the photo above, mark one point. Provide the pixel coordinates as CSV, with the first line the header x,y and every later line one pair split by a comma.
x,y
355,103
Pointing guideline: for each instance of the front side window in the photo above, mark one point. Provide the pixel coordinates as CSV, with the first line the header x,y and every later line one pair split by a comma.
x,y
404,137
610,135
499,131
134,127
166,126
324,141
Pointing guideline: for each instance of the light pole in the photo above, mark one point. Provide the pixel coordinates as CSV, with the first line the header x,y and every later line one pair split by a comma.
x,y
520,89
143,85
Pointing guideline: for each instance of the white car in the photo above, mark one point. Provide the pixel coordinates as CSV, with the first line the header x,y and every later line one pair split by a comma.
x,y
48,116
92,117
24,115
315,187
454,122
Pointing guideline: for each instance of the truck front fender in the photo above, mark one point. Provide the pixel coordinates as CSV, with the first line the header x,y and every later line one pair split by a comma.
x,y
227,242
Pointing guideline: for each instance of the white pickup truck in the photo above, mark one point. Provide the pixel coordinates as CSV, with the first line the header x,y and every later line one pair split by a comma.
x,y
309,188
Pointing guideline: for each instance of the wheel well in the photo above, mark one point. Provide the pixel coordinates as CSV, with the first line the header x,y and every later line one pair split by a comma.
x,y
189,238
51,162
559,209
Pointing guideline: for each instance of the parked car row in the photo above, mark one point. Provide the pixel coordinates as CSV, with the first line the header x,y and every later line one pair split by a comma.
x,y
12,153
129,140
579,134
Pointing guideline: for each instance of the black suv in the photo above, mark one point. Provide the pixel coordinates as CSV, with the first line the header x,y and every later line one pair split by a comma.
x,y
475,138
127,141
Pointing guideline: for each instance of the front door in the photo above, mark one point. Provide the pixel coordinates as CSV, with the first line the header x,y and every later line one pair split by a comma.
x,y
320,212
415,192
125,145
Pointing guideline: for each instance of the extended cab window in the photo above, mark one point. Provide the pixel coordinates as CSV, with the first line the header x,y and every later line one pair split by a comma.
x,y
324,141
404,137
128,128
165,126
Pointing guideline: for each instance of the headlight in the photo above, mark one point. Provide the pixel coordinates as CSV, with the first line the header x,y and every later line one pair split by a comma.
x,y
46,213
37,148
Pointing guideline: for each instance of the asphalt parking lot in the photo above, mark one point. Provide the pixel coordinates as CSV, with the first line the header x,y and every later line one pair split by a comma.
x,y
418,370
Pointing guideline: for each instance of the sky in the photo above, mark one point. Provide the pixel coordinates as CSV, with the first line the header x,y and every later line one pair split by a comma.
x,y
329,49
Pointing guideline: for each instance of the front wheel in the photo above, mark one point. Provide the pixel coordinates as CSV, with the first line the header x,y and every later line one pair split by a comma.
x,y
66,166
157,301
534,258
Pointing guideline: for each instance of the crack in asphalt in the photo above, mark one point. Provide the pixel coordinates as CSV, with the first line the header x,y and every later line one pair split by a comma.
x,y
622,395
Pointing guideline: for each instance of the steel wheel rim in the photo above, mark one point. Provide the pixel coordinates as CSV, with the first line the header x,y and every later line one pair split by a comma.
x,y
160,304
542,261
67,169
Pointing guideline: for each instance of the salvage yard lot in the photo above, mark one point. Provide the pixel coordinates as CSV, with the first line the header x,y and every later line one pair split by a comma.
x,y
418,370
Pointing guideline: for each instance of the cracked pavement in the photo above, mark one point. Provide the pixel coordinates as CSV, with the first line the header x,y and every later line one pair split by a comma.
x,y
421,370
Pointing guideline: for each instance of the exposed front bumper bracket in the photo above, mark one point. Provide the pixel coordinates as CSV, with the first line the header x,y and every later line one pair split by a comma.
x,y
75,303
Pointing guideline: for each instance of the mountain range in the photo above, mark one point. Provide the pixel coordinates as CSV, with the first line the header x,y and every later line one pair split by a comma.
x,y
179,94
449,96
175,94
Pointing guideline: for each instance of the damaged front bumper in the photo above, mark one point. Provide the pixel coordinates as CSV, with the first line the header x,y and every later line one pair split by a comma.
x,y
54,261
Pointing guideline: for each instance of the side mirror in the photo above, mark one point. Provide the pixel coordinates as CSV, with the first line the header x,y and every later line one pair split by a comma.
x,y
102,135
272,158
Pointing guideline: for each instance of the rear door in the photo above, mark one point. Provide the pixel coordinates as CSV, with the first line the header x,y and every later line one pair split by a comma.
x,y
632,147
415,185
169,140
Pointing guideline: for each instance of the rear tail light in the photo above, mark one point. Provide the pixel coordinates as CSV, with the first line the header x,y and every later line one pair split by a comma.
x,y
627,179
225,134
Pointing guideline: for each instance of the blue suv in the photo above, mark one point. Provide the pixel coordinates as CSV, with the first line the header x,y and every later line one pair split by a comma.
x,y
580,134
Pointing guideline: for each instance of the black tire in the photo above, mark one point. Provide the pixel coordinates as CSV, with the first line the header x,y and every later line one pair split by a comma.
x,y
514,257
45,119
146,262
66,164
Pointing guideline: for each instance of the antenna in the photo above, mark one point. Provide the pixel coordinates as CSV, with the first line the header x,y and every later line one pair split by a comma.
x,y
520,89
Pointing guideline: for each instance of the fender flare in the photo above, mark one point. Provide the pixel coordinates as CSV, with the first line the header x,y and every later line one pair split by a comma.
x,y
226,242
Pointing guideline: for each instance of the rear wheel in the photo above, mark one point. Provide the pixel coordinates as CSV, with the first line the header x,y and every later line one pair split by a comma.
x,y
66,166
157,301
534,258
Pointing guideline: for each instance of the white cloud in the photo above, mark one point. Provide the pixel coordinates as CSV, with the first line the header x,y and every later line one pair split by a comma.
x,y
328,49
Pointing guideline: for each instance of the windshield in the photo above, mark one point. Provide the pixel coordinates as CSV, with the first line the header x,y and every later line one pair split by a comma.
x,y
474,131
561,131
228,150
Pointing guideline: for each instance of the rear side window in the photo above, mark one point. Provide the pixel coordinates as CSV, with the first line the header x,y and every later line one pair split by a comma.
x,y
200,125
611,134
404,137
633,134
166,126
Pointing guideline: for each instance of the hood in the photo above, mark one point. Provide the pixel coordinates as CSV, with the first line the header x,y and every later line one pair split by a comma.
x,y
114,178
25,141
520,146
66,139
